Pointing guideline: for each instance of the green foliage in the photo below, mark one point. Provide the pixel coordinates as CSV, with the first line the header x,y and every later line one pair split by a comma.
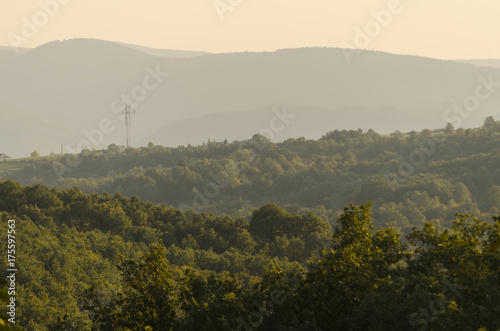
x,y
452,171
366,280
489,122
72,242
294,236
212,303
148,299
110,262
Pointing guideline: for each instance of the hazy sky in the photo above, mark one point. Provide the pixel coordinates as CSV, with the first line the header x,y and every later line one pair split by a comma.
x,y
447,29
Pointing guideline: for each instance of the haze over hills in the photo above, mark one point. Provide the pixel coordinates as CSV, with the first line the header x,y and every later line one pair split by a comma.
x,y
281,123
166,52
148,50
77,83
493,63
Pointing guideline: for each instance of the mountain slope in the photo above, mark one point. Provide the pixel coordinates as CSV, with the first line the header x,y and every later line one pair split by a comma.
x,y
308,122
6,55
80,82
493,63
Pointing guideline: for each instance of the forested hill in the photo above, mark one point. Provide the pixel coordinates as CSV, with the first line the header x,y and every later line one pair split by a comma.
x,y
406,92
101,262
411,178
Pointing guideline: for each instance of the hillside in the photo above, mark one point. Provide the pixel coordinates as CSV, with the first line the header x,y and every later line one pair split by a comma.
x,y
411,178
307,122
6,55
78,83
98,261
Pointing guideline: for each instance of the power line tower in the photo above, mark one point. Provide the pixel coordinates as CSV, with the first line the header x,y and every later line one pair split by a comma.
x,y
127,112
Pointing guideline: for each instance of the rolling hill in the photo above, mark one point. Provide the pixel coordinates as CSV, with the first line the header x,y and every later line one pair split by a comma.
x,y
76,84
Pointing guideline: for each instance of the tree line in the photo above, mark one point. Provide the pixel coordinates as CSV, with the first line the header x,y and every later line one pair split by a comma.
x,y
412,178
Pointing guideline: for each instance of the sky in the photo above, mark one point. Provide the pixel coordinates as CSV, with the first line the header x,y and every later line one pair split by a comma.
x,y
444,29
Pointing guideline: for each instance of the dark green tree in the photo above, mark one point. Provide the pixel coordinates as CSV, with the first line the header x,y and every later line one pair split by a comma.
x,y
489,121
148,300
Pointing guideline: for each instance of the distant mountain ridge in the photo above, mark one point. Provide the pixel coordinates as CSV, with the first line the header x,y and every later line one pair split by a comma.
x,y
148,50
166,52
76,84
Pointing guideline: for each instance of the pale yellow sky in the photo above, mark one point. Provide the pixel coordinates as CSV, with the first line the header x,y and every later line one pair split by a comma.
x,y
447,29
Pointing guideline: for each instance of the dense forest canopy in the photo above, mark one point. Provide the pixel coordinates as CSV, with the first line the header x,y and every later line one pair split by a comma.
x,y
411,178
102,262
230,167
255,235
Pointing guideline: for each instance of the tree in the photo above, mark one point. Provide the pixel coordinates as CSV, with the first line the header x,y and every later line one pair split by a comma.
x,y
268,221
300,234
12,196
457,271
35,154
215,303
396,133
112,148
449,128
489,121
148,300
491,200
340,280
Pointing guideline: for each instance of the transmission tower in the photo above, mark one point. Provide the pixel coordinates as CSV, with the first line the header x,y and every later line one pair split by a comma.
x,y
127,112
